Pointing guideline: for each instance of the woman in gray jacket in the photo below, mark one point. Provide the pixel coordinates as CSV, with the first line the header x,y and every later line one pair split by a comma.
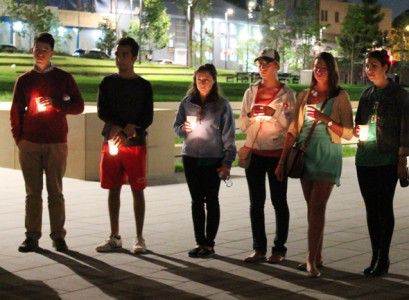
x,y
206,123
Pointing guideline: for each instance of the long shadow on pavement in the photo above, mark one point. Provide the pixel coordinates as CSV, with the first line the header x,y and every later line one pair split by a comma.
x,y
334,282
116,282
230,283
15,287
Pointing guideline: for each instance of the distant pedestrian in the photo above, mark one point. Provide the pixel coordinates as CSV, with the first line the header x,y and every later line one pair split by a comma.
x,y
382,125
267,111
206,123
42,99
324,109
125,104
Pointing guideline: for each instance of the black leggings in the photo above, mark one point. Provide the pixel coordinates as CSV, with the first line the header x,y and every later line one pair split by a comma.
x,y
204,183
377,185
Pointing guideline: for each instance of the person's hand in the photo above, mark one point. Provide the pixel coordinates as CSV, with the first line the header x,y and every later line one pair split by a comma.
x,y
279,171
402,163
261,110
355,131
316,114
46,101
114,131
120,139
129,130
187,127
224,172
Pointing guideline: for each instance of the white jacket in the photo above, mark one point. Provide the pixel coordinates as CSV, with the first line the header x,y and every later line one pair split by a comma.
x,y
272,132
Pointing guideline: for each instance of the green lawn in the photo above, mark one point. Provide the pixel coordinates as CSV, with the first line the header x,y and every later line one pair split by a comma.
x,y
169,82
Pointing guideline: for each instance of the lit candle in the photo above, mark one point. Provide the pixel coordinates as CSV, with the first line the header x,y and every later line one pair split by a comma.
x,y
192,120
363,132
113,148
40,107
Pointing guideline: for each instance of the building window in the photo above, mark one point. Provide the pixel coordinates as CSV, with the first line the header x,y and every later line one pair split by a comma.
x,y
180,32
336,17
324,15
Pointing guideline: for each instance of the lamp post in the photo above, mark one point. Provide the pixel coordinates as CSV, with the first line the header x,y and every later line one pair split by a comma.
x,y
228,13
140,30
251,5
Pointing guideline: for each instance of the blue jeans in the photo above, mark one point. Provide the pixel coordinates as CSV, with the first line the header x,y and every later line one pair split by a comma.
x,y
256,180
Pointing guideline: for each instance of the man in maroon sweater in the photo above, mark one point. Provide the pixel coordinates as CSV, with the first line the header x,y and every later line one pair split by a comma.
x,y
42,99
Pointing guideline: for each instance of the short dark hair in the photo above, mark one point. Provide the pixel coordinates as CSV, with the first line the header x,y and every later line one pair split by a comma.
x,y
45,37
128,41
380,55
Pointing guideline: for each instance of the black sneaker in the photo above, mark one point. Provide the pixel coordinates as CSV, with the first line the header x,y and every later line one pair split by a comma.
x,y
195,251
29,245
60,245
205,252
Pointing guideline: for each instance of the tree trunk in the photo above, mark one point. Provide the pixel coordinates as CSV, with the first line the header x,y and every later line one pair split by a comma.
x,y
201,39
191,23
351,68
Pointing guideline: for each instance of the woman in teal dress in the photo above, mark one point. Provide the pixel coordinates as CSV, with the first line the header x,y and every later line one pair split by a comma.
x,y
326,104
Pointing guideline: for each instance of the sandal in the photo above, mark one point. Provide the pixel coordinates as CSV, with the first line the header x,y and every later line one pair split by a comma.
x,y
255,257
303,266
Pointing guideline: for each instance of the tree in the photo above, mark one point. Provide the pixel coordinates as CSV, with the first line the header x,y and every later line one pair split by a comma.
x,y
360,32
292,35
152,28
107,42
34,14
400,36
190,9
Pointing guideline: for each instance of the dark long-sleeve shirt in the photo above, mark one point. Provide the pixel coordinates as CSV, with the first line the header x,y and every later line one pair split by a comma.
x,y
126,101
49,126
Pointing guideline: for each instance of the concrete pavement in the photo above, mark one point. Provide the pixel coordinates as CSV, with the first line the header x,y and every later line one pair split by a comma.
x,y
167,271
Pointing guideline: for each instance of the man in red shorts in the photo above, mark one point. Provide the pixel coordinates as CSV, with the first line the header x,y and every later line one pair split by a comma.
x,y
125,104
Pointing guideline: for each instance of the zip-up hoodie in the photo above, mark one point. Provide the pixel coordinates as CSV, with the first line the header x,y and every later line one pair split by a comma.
x,y
271,133
214,133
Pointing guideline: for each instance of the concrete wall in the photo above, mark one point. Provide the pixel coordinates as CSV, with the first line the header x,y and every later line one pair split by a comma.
x,y
84,144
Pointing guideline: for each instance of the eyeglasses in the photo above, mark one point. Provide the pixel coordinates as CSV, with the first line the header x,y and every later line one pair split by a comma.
x,y
262,65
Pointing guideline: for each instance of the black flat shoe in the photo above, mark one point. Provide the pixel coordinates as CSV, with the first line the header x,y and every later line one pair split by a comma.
x,y
194,251
29,245
368,271
381,268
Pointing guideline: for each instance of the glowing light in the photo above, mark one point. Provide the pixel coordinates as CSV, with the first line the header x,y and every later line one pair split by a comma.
x,y
112,147
363,132
192,120
40,106
18,26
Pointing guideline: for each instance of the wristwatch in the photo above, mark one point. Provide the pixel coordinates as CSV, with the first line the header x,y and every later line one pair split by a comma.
x,y
329,124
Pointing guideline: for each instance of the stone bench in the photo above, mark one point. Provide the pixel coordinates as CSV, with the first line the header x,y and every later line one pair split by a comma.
x,y
84,144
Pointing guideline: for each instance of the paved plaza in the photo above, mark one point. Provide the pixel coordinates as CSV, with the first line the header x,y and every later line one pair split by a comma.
x,y
167,272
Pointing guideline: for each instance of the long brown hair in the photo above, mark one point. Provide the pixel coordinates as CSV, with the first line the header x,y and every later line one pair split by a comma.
x,y
333,74
214,93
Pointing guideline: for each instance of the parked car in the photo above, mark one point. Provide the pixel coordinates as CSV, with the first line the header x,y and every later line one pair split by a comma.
x,y
78,52
165,61
8,48
95,54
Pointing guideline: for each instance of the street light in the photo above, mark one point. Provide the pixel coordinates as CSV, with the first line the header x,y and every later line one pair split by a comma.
x,y
228,13
251,5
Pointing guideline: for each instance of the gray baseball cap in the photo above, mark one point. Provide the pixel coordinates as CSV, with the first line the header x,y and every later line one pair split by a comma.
x,y
269,54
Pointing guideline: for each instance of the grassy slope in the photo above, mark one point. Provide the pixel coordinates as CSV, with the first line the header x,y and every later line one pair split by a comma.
x,y
169,82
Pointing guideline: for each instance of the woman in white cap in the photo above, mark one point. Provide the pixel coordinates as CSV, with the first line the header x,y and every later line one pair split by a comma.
x,y
266,113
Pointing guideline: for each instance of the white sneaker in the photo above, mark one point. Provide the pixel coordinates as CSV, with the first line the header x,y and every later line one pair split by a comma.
x,y
113,243
139,246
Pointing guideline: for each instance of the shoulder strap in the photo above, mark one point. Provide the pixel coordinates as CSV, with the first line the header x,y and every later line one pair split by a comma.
x,y
307,140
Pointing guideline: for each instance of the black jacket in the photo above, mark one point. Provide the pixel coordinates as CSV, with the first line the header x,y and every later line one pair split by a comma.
x,y
392,125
